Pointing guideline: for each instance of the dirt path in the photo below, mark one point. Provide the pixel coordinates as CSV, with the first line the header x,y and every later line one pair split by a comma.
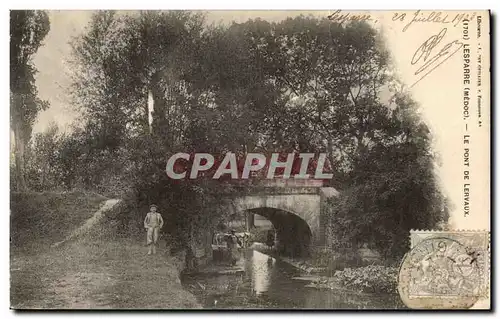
x,y
105,275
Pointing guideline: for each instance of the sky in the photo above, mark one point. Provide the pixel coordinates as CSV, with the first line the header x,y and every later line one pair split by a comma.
x,y
440,93
51,60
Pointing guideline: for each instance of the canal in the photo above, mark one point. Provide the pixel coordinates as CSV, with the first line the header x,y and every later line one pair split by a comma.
x,y
267,283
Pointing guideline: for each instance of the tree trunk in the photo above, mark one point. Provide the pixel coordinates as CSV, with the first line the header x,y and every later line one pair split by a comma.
x,y
148,122
19,158
337,179
159,125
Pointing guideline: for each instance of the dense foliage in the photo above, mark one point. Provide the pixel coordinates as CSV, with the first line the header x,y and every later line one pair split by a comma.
x,y
150,84
28,28
393,190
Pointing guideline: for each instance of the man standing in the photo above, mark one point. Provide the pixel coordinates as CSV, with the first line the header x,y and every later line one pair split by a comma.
x,y
153,223
270,238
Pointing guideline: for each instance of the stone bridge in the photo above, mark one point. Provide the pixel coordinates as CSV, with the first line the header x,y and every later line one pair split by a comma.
x,y
294,207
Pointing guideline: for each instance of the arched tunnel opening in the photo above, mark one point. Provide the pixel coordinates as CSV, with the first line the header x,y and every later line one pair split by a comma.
x,y
292,232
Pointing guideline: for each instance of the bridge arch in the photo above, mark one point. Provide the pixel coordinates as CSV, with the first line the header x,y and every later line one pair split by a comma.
x,y
293,234
296,218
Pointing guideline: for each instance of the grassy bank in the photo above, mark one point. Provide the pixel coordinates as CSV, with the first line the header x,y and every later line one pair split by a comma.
x,y
104,272
40,219
105,275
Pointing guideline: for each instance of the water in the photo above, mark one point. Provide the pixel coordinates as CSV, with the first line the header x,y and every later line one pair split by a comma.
x,y
267,283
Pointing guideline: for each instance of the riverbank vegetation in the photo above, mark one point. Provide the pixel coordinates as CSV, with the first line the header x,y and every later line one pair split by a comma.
x,y
370,279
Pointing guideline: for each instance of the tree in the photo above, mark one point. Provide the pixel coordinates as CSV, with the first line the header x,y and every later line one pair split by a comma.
x,y
302,84
120,61
393,189
27,31
331,76
42,162
328,81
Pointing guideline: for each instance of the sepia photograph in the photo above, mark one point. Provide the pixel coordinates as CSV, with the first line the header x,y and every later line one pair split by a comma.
x,y
175,159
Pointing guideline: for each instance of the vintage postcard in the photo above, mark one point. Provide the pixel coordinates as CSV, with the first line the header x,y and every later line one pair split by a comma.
x,y
250,159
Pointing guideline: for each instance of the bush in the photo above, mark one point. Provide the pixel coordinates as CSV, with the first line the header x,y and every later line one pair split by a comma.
x,y
373,279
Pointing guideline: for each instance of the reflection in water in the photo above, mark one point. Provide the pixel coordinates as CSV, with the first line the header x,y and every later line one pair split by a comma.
x,y
261,269
268,283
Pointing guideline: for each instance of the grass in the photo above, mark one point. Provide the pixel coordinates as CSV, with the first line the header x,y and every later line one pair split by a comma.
x,y
104,272
39,219
100,275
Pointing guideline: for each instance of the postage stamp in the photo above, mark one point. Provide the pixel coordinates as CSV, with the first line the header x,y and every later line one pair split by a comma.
x,y
449,265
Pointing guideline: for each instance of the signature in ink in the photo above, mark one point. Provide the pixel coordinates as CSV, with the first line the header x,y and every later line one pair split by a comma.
x,y
431,62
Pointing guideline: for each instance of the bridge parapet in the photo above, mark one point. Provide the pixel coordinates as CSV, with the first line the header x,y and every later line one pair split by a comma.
x,y
305,200
279,181
258,190
278,186
290,182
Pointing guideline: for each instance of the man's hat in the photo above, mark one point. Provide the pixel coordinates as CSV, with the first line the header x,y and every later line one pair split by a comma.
x,y
153,205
